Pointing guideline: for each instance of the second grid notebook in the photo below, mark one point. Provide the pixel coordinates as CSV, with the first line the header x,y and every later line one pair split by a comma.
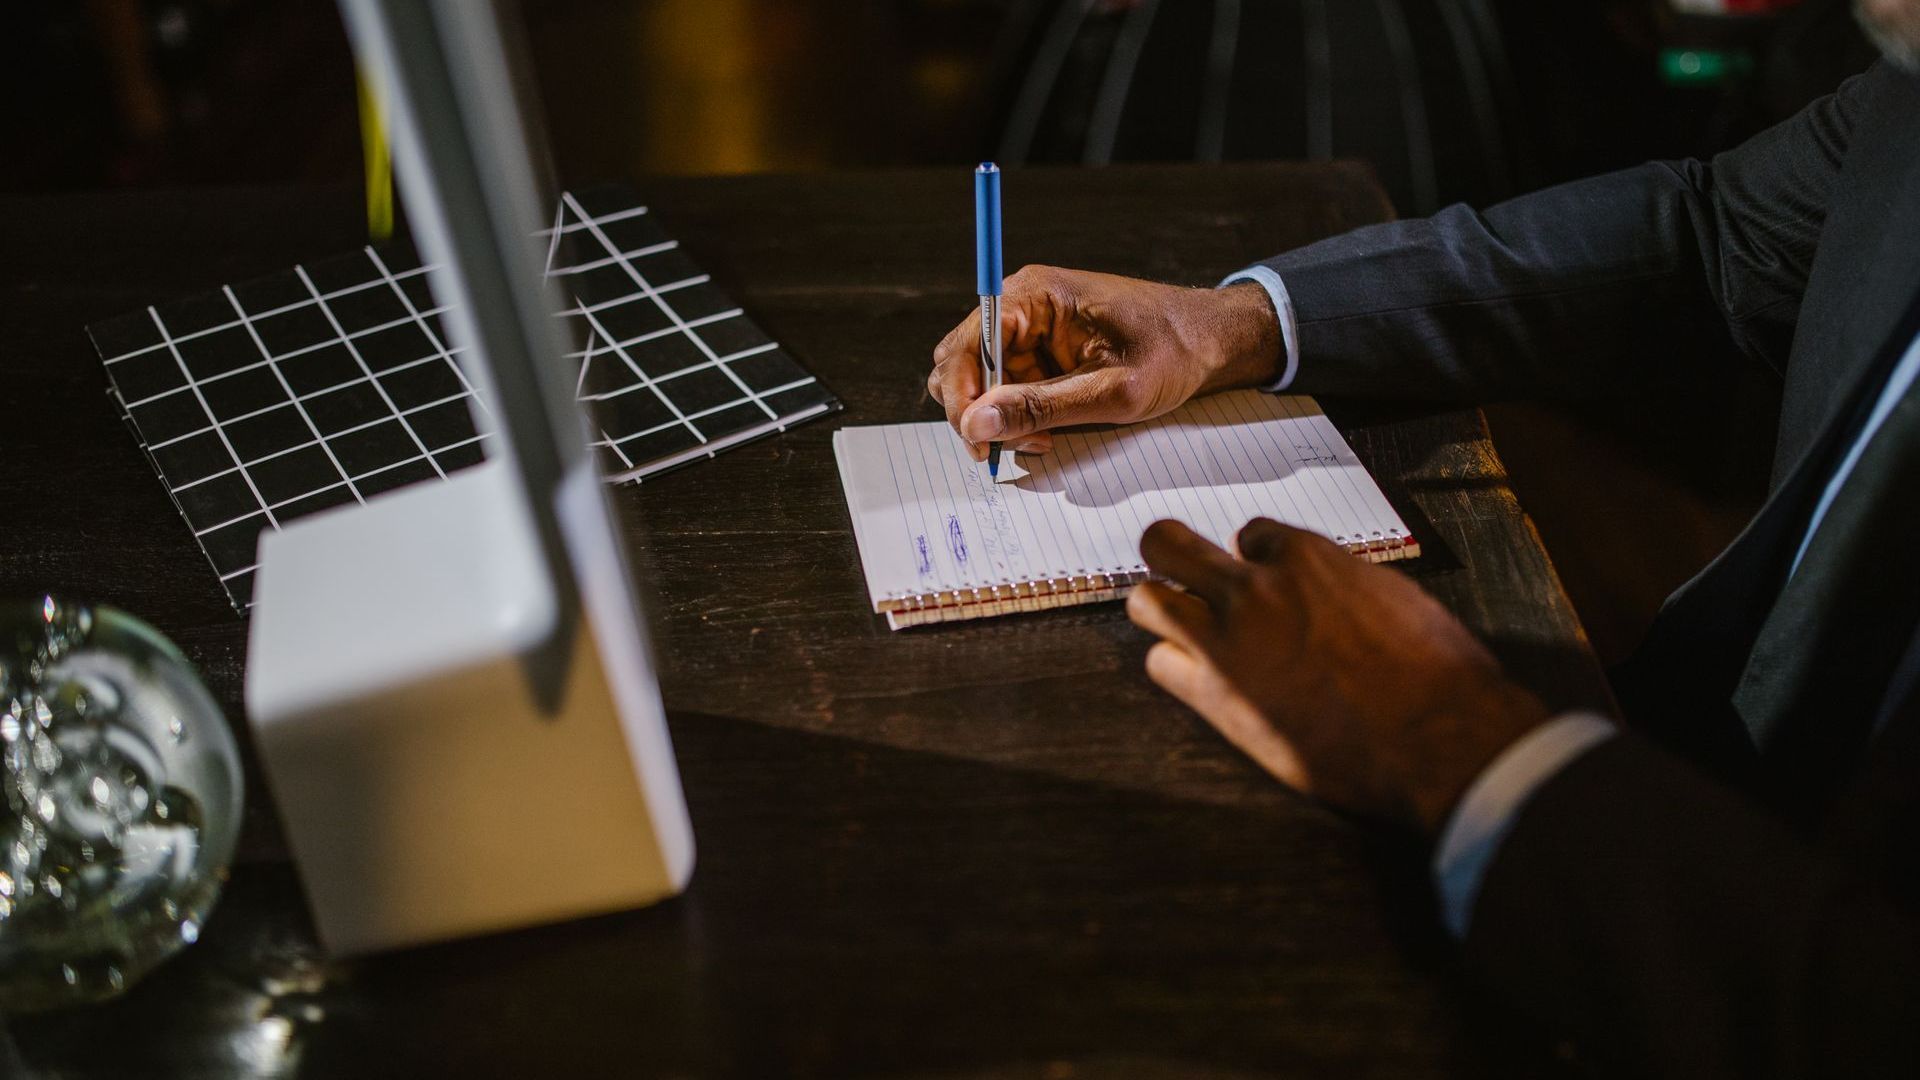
x,y
940,542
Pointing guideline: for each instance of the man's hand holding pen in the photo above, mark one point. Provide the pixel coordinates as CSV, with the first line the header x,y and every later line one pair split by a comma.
x,y
1084,348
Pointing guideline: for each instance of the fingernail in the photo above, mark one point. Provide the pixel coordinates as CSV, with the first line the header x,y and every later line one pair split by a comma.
x,y
986,423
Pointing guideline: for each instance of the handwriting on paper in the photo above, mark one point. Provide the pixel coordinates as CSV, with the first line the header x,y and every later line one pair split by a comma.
x,y
1001,539
1308,454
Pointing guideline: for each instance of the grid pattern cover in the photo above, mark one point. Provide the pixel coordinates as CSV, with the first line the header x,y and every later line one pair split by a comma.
x,y
335,381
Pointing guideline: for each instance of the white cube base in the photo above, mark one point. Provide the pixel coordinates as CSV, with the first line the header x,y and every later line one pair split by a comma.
x,y
425,789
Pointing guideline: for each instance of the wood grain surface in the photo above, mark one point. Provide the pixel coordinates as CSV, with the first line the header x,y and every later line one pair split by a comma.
x,y
986,849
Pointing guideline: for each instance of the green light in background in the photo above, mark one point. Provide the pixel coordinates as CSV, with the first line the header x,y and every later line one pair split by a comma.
x,y
1702,67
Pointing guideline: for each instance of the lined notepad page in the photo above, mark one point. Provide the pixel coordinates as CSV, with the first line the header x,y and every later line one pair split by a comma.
x,y
939,540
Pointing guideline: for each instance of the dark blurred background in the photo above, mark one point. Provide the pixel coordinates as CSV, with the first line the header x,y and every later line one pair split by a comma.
x,y
1450,100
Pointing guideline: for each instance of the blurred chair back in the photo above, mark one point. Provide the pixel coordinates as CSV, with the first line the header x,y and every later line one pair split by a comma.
x,y
1420,88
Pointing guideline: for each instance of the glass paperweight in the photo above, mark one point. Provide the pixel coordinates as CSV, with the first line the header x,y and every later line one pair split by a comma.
x,y
122,790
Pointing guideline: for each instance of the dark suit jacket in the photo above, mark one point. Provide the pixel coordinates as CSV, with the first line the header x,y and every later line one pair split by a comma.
x,y
1733,889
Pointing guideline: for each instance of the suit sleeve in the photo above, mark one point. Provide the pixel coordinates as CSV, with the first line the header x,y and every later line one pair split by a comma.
x,y
1665,927
1581,289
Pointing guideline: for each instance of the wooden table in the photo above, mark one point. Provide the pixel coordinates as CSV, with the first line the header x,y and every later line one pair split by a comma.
x,y
985,849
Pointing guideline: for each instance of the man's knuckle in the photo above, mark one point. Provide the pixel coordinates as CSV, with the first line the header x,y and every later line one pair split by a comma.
x,y
1325,551
1266,535
1040,280
1035,408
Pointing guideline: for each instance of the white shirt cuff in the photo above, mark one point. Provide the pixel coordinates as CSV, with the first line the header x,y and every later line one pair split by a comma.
x,y
1283,307
1494,801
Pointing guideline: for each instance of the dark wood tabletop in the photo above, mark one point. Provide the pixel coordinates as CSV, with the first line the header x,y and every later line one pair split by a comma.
x,y
990,848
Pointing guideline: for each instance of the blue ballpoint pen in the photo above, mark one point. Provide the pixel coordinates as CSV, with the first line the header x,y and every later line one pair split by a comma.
x,y
986,250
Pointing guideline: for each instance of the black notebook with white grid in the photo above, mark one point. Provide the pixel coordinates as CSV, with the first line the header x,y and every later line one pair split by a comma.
x,y
334,381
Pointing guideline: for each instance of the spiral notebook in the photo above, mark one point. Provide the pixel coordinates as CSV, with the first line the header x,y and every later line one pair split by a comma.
x,y
940,542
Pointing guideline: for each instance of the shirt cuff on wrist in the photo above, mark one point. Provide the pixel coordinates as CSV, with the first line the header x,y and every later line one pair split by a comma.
x,y
1282,307
1492,804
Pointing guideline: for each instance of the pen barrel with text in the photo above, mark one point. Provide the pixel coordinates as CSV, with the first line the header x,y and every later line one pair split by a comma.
x,y
990,354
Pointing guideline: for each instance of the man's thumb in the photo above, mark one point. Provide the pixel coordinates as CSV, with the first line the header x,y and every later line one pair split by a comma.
x,y
1016,409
